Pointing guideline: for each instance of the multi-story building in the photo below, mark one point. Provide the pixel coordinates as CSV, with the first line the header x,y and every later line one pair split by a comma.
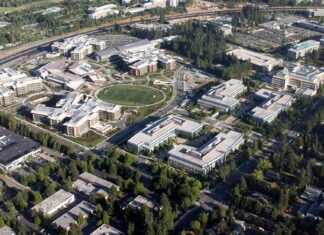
x,y
137,203
15,149
273,103
141,68
79,46
7,97
299,77
224,24
259,60
76,114
103,11
59,200
203,159
162,130
19,83
303,48
167,62
312,25
223,96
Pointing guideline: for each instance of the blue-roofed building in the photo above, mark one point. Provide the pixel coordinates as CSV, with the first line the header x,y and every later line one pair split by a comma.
x,y
303,48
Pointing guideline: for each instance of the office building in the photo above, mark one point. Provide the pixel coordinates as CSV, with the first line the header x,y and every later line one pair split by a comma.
x,y
6,230
54,203
97,181
223,96
132,47
154,3
137,203
19,83
7,97
273,103
162,130
303,48
203,159
85,209
143,67
106,229
167,62
79,46
15,149
103,11
299,77
76,114
89,189
315,12
259,60
53,73
312,25
224,24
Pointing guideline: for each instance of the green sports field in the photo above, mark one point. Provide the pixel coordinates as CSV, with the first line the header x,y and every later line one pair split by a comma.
x,y
130,95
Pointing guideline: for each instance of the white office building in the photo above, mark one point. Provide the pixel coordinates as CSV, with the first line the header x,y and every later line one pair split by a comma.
x,y
298,77
273,103
103,11
162,130
261,61
76,114
303,48
59,200
203,159
223,96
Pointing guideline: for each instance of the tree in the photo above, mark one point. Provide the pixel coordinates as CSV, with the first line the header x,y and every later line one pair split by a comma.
x,y
222,226
21,201
203,218
37,220
130,228
147,221
37,197
320,227
10,207
105,217
166,217
2,223
81,219
195,226
40,172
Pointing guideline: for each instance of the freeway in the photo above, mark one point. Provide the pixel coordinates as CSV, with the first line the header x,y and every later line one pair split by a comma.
x,y
33,48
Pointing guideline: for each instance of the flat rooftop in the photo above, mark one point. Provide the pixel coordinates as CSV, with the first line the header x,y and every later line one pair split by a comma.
x,y
140,201
6,230
54,201
305,45
209,152
259,59
274,103
106,229
13,146
225,93
163,126
71,217
97,181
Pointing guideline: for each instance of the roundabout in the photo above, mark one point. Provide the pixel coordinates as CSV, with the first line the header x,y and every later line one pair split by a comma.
x,y
130,95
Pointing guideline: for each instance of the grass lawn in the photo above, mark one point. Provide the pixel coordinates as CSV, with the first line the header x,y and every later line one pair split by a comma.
x,y
38,4
89,139
130,95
